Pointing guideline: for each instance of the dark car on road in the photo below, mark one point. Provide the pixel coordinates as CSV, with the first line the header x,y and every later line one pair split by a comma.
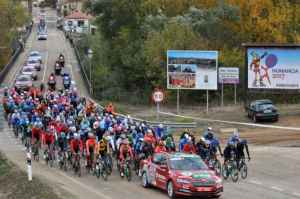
x,y
260,110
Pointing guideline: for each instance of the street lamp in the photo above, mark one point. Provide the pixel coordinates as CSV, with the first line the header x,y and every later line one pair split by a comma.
x,y
90,56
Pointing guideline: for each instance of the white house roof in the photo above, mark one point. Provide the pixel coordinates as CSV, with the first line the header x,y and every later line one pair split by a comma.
x,y
78,15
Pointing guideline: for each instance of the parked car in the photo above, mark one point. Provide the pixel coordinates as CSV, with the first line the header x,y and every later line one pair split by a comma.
x,y
42,36
181,174
259,110
35,63
30,70
23,82
35,55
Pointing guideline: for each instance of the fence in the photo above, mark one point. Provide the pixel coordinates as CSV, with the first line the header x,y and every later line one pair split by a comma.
x,y
17,52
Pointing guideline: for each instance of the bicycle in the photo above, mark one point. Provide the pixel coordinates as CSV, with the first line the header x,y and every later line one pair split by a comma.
x,y
127,169
101,168
35,151
49,157
62,160
214,163
77,165
230,169
243,168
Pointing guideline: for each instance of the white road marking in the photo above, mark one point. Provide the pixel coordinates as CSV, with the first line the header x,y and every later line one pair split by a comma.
x,y
45,66
233,122
255,182
277,188
296,194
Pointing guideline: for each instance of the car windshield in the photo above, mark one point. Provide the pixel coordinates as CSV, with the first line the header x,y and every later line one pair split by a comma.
x,y
23,79
187,163
33,54
32,61
27,70
265,106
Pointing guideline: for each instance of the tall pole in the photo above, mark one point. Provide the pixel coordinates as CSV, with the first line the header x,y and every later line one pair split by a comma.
x,y
178,101
234,93
91,85
207,99
157,111
222,94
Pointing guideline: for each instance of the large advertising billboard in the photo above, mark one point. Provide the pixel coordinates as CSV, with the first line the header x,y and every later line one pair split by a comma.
x,y
273,68
189,69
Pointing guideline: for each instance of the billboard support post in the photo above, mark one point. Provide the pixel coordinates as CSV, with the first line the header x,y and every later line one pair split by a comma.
x,y
178,101
222,94
235,94
157,111
207,99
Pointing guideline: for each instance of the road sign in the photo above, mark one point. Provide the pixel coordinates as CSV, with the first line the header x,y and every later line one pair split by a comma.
x,y
158,96
229,75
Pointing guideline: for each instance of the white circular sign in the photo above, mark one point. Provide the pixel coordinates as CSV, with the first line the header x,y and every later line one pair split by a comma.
x,y
158,96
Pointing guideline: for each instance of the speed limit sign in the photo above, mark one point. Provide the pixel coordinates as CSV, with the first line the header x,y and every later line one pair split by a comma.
x,y
158,96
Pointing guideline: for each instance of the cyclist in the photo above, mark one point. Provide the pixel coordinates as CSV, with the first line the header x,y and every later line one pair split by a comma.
x,y
160,147
189,146
202,149
160,131
90,150
76,147
229,151
213,143
125,152
102,148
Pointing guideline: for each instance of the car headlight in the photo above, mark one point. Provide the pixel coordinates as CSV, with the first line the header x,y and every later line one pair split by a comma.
x,y
183,181
218,181
186,173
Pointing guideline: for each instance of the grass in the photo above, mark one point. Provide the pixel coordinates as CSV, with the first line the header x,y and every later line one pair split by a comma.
x,y
15,185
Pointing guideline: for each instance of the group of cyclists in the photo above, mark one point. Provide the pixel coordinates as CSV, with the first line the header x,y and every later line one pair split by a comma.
x,y
74,128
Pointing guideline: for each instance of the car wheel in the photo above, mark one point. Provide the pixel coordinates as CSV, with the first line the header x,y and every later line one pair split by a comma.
x,y
170,189
145,182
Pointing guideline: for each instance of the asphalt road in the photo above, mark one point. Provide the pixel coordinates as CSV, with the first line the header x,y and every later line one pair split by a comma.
x,y
274,172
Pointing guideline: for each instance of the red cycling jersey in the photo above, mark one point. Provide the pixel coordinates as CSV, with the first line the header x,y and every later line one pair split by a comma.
x,y
124,150
76,146
160,149
90,143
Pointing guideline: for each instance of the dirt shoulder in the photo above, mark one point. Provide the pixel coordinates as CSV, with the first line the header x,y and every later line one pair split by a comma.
x,y
14,184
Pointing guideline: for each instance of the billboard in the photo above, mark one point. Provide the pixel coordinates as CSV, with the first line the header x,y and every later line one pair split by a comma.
x,y
273,67
229,75
187,69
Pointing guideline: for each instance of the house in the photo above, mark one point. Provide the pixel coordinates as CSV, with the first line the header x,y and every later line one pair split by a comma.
x,y
65,7
77,22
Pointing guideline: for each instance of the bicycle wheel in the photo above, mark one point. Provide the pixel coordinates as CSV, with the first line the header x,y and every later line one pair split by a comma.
x,y
104,173
225,171
234,172
218,167
244,171
128,173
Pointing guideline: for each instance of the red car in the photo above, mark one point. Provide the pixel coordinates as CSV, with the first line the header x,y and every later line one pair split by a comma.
x,y
181,174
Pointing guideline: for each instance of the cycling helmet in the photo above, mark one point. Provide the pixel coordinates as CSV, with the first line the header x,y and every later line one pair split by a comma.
x,y
161,126
202,139
96,125
209,128
123,136
63,135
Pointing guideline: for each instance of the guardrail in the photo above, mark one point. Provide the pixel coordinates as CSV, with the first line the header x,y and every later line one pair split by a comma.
x,y
14,57
171,125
